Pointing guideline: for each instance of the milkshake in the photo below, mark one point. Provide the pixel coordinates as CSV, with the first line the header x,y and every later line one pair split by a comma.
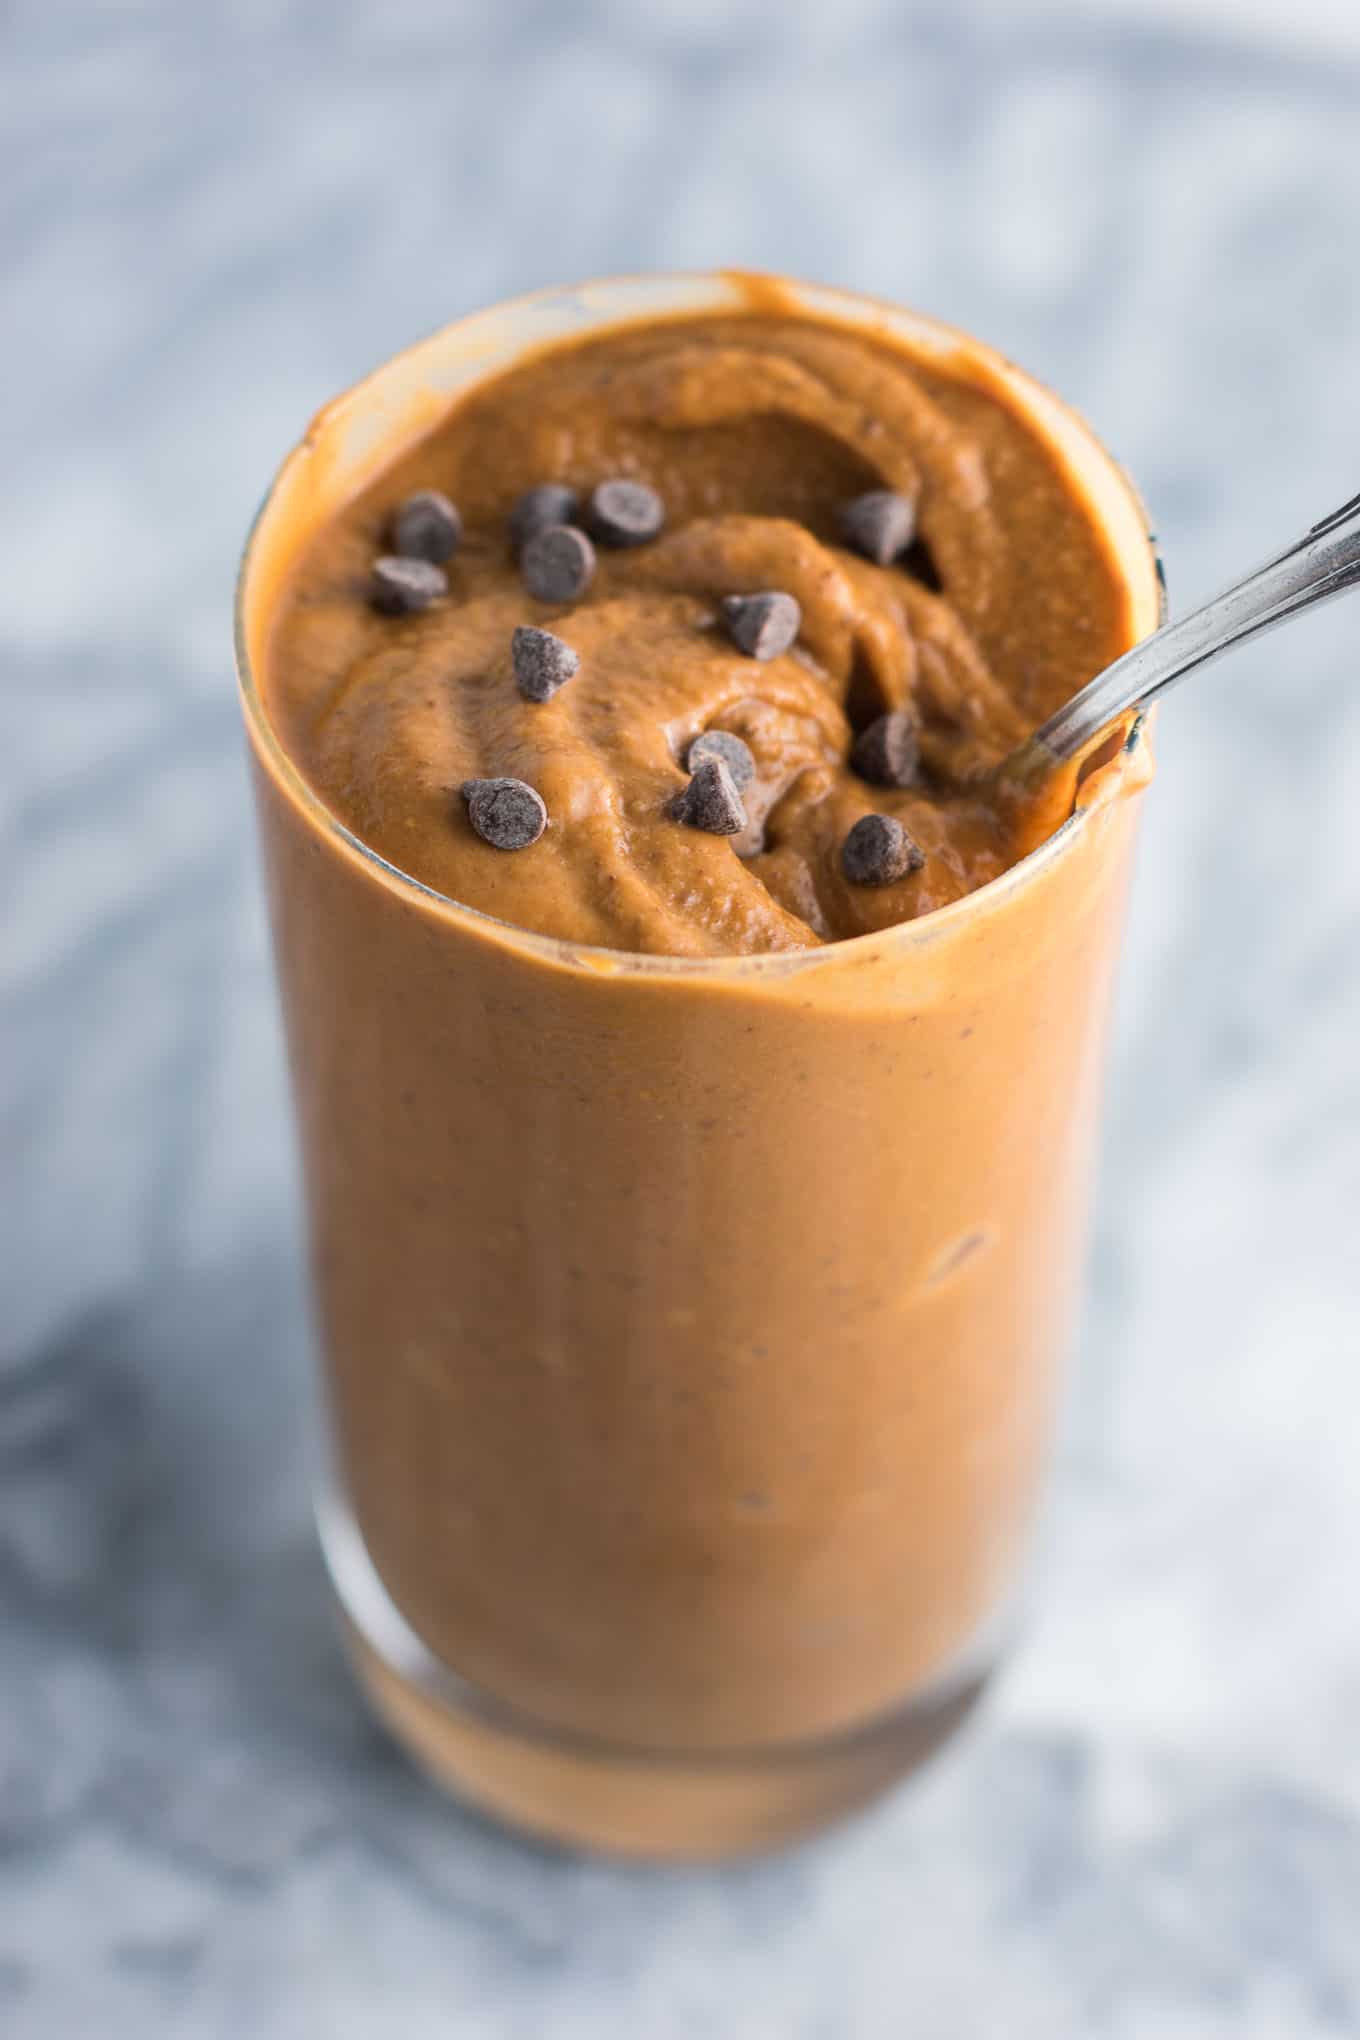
x,y
696,1059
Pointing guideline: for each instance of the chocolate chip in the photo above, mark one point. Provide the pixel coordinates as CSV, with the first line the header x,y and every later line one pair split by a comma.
x,y
879,524
626,513
711,801
888,752
542,662
506,813
762,625
400,586
731,750
549,503
878,851
558,563
427,527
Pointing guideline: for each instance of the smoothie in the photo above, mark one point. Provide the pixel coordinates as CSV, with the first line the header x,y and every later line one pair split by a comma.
x,y
696,1062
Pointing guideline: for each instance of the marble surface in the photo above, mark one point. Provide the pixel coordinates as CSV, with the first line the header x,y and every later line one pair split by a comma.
x,y
209,220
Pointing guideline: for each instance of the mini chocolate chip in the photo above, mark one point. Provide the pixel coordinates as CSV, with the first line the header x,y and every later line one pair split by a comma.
x,y
880,524
888,753
711,801
762,625
626,513
427,527
733,753
558,563
506,813
401,585
549,503
542,662
878,850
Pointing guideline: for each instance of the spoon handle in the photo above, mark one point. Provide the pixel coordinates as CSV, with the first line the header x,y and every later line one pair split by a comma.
x,y
1324,561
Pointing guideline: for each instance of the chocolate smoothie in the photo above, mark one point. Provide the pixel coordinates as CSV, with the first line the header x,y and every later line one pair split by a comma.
x,y
696,1218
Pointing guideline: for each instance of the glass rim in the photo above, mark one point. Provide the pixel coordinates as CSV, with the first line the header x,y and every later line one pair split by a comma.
x,y
713,291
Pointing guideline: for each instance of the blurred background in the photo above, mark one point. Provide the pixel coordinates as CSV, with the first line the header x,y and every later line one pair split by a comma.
x,y
212,219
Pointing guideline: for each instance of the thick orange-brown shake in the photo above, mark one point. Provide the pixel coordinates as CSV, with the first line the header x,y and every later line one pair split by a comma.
x,y
695,1073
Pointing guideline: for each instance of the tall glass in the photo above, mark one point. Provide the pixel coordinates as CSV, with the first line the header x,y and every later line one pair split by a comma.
x,y
690,1328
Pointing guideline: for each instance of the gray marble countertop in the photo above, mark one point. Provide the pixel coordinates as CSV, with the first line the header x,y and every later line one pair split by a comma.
x,y
210,219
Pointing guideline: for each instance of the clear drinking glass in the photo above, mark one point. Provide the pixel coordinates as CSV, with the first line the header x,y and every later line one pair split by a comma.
x,y
680,1482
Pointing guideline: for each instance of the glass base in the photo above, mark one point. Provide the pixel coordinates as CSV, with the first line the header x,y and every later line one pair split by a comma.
x,y
660,1806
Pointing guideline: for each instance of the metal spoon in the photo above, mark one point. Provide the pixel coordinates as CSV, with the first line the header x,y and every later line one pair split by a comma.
x,y
1324,562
